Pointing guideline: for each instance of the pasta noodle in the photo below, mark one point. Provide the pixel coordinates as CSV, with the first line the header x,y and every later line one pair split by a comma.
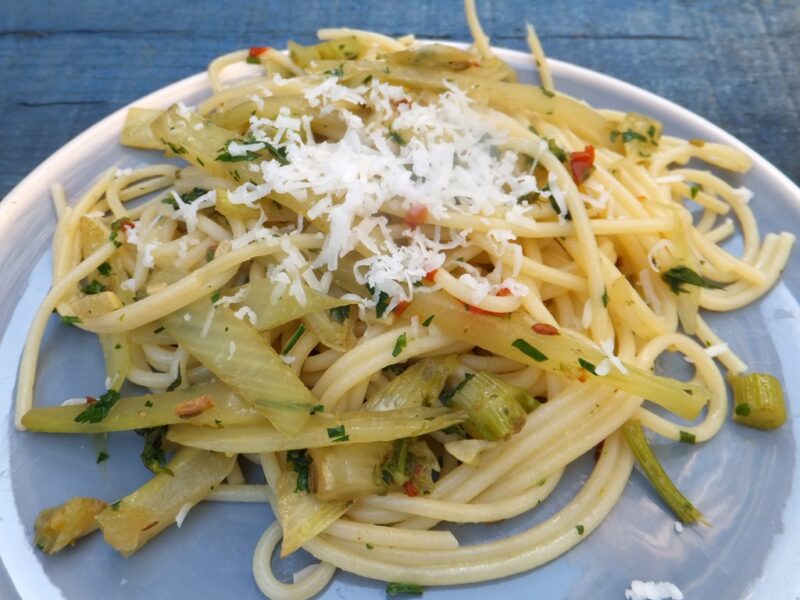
x,y
366,230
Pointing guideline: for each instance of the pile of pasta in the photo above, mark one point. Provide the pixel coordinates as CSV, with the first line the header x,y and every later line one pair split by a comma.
x,y
393,362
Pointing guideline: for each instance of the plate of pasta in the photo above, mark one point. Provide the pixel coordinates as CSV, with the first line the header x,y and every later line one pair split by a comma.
x,y
384,316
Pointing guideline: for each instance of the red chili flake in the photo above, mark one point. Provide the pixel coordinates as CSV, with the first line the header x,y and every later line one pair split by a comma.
x,y
401,307
476,310
257,51
90,399
581,164
416,215
582,376
642,198
504,291
125,224
544,329
431,275
410,488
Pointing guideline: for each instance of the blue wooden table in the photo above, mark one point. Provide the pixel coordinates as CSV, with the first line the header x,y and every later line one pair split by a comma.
x,y
65,65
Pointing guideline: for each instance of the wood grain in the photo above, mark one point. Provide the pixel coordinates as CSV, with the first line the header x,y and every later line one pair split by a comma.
x,y
66,65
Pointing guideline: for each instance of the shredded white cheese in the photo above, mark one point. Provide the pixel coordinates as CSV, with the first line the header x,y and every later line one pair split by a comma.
x,y
651,590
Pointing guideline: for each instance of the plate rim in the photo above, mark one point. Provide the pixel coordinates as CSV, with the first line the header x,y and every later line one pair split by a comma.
x,y
30,187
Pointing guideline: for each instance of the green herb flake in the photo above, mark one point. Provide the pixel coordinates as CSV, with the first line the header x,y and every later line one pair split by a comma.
x,y
367,80
677,276
186,198
529,350
743,410
253,60
316,408
158,330
300,462
298,333
102,457
687,438
340,314
104,269
393,589
215,297
174,147
115,505
580,529
369,546
400,344
604,298
428,321
382,305
532,129
630,135
98,410
556,150
175,382
585,364
148,404
153,456
210,254
396,137
338,434
694,188
70,320
446,397
118,347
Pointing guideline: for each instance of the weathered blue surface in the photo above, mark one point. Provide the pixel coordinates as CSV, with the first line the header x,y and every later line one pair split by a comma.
x,y
65,65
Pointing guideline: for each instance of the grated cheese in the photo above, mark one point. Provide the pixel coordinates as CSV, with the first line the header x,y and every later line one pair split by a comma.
x,y
650,590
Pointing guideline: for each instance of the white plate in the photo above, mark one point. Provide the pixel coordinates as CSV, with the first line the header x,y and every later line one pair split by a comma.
x,y
744,481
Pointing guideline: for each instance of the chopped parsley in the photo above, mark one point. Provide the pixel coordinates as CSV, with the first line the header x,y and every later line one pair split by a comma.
x,y
252,60
446,397
210,254
370,546
104,269
115,505
153,456
627,136
70,319
278,153
337,72
148,404
300,461
529,350
338,434
396,137
604,298
298,333
102,457
580,529
215,297
175,382
367,80
316,408
427,322
587,365
95,287
557,209
676,277
400,344
186,198
694,188
556,150
340,313
116,227
392,589
687,438
174,147
99,409
743,410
